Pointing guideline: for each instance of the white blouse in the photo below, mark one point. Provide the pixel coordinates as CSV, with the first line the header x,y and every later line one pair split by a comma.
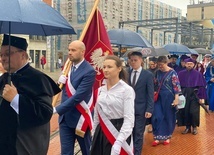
x,y
117,102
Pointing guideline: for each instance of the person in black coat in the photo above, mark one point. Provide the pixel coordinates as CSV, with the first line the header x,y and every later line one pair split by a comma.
x,y
25,102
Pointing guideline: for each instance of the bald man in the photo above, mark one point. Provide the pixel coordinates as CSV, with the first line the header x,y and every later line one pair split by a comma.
x,y
76,95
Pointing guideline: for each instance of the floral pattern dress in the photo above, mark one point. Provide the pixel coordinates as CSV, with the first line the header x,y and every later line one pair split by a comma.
x,y
164,115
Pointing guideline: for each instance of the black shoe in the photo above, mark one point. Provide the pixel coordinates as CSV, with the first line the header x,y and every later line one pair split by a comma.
x,y
194,132
187,130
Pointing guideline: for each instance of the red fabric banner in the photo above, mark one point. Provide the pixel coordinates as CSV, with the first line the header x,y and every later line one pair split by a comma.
x,y
97,45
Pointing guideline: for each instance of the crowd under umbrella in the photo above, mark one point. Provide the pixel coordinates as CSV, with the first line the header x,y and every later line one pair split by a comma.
x,y
175,48
31,17
127,38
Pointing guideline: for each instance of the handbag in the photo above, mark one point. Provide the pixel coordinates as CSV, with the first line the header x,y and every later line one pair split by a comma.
x,y
156,93
181,101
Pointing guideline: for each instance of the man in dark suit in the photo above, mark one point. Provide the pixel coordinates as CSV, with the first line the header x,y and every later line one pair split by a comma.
x,y
142,82
74,107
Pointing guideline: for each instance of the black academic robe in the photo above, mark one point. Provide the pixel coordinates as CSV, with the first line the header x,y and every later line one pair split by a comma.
x,y
29,131
193,88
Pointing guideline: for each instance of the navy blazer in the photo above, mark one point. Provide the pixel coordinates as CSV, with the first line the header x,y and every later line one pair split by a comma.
x,y
82,80
144,92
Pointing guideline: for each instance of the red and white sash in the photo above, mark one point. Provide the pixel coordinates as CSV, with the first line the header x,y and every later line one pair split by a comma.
x,y
111,133
85,109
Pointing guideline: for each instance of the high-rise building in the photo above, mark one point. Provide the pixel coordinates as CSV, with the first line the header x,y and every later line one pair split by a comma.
x,y
201,11
113,11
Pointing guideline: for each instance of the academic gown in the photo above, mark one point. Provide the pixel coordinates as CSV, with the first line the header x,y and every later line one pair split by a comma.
x,y
210,86
29,131
193,88
173,66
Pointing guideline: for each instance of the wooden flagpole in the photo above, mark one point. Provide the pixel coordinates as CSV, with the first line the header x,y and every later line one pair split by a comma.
x,y
68,63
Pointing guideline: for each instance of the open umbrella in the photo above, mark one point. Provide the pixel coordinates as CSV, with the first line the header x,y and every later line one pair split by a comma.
x,y
193,51
212,51
175,48
147,52
202,51
32,17
126,38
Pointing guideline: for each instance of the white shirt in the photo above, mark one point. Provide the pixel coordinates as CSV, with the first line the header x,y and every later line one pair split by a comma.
x,y
59,61
77,65
137,74
117,102
15,102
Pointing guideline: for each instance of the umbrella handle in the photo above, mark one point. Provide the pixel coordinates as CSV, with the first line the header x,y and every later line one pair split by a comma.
x,y
9,79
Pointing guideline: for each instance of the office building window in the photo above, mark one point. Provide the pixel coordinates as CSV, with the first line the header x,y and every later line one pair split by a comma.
x,y
202,13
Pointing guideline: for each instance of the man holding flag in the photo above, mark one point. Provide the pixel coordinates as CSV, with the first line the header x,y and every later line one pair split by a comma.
x,y
75,121
77,99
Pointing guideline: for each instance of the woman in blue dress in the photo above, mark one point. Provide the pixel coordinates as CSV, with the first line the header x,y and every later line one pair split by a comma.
x,y
164,115
209,76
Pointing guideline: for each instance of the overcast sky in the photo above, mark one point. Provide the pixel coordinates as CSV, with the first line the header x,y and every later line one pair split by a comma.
x,y
182,4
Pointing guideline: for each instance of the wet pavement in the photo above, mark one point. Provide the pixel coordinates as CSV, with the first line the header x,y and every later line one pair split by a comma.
x,y
54,147
189,144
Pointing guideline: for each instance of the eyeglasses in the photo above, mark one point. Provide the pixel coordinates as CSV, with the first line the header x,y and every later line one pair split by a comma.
x,y
7,53
161,64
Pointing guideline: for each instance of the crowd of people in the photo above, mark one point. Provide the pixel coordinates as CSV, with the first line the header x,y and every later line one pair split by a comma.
x,y
110,120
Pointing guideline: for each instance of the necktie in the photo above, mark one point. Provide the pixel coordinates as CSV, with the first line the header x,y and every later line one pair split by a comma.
x,y
134,78
73,70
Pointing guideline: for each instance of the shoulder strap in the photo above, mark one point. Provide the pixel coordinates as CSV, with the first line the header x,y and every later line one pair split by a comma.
x,y
163,79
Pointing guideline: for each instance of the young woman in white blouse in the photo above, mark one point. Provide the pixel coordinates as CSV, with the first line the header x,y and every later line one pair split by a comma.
x,y
114,112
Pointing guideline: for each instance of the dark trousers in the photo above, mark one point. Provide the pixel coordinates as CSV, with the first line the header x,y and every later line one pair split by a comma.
x,y
68,138
8,145
42,66
138,133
